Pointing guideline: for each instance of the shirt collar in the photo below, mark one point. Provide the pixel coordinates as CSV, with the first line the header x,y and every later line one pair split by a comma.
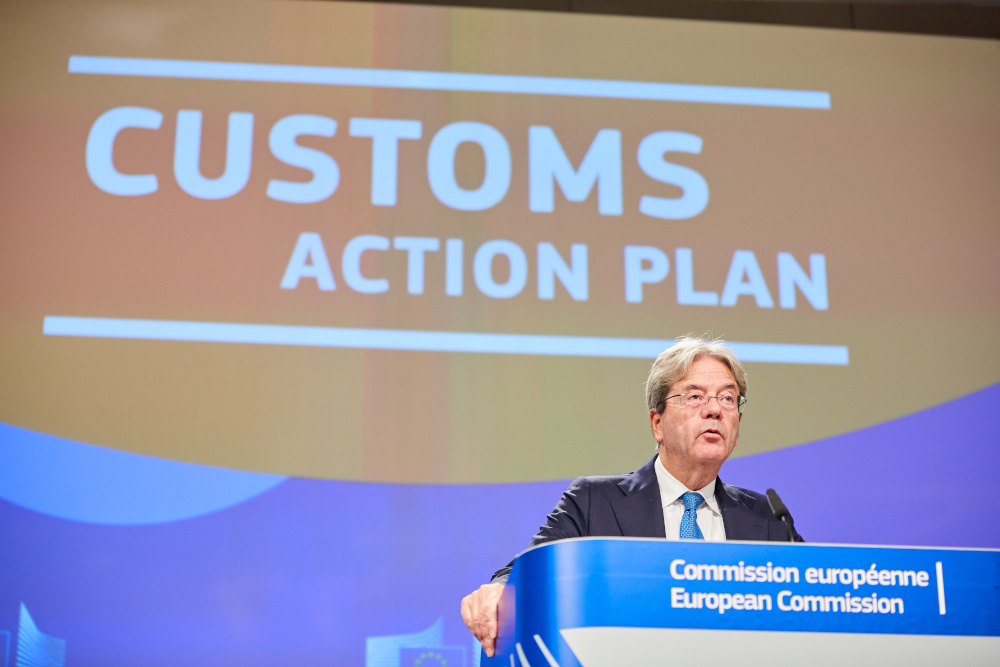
x,y
671,489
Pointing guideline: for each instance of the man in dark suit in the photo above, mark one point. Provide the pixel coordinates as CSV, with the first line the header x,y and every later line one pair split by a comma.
x,y
695,393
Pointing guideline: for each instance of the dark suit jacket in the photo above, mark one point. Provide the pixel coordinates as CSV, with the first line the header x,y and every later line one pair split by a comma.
x,y
629,506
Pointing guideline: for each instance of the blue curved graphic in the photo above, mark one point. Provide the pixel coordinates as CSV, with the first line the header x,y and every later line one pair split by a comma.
x,y
81,482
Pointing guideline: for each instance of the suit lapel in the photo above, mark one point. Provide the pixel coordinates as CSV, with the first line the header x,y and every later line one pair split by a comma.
x,y
737,514
639,510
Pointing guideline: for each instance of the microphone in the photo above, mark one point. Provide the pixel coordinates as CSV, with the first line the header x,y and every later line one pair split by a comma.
x,y
782,513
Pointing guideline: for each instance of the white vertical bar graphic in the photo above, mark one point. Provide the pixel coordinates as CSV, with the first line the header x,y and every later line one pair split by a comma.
x,y
520,655
545,651
940,583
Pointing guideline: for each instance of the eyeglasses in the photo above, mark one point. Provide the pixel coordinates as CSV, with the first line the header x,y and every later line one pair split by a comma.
x,y
695,400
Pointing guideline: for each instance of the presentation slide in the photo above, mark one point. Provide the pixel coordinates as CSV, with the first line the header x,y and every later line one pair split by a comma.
x,y
311,310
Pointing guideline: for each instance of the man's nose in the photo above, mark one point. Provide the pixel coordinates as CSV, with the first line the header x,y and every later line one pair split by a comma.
x,y
713,406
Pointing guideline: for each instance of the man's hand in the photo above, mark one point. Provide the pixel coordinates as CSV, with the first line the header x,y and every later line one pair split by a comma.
x,y
479,611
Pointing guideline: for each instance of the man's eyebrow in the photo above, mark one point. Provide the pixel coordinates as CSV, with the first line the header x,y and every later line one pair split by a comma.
x,y
693,385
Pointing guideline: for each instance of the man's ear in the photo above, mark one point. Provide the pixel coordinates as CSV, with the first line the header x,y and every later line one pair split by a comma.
x,y
655,425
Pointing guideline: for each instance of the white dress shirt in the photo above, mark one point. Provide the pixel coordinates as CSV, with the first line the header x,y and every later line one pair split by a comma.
x,y
708,514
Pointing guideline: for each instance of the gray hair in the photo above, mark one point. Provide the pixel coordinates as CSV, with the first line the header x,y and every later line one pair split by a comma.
x,y
675,362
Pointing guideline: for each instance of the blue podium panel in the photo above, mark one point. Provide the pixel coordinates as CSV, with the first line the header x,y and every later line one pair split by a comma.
x,y
626,601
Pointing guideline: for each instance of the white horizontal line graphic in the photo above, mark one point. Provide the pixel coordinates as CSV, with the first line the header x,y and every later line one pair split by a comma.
x,y
448,81
426,341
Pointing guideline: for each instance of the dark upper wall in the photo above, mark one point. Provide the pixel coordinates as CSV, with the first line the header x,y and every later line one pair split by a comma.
x,y
931,18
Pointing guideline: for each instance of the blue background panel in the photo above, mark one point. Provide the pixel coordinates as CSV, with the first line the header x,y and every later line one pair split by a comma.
x,y
307,570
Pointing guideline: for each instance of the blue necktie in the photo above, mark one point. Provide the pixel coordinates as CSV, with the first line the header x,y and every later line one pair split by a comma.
x,y
689,522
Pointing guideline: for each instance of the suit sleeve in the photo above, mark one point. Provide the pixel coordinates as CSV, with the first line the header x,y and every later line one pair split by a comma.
x,y
570,518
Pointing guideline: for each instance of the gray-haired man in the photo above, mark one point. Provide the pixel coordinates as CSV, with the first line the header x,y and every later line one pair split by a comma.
x,y
695,394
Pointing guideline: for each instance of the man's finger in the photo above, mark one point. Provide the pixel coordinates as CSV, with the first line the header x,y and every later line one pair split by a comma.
x,y
467,610
489,646
489,625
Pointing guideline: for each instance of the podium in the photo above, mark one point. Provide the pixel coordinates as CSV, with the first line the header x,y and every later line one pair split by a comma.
x,y
596,602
